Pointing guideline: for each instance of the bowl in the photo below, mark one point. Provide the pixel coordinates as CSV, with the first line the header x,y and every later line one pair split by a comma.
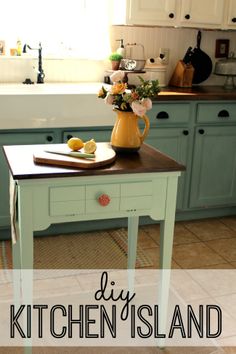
x,y
132,64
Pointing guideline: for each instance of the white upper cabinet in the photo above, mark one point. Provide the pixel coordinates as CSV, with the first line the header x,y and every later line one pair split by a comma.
x,y
146,12
202,13
152,12
219,14
230,21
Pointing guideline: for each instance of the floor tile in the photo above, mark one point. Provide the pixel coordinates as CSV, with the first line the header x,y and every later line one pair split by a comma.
x,y
195,255
144,239
181,234
220,266
229,350
154,255
230,221
153,231
225,247
209,229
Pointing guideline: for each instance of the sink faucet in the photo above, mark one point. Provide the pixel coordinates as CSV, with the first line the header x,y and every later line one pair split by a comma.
x,y
41,75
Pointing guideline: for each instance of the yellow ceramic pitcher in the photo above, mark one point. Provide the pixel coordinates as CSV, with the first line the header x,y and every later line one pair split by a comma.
x,y
126,135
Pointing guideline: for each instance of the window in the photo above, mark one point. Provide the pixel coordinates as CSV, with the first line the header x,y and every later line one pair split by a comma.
x,y
78,28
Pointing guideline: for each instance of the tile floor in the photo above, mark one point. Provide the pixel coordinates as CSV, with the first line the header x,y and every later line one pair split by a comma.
x,y
198,244
208,243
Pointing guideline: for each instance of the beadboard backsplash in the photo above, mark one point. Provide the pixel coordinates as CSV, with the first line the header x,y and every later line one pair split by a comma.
x,y
177,40
153,38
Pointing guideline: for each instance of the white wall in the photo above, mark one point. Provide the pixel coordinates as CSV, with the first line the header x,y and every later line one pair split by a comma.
x,y
75,70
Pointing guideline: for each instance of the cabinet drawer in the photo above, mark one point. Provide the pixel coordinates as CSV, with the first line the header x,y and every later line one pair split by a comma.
x,y
67,193
169,113
136,189
143,202
136,196
67,208
216,112
67,200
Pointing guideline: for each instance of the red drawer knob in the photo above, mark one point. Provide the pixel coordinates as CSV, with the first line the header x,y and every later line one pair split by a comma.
x,y
104,199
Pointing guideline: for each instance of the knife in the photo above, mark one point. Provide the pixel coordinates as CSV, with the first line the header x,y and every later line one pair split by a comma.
x,y
188,55
72,154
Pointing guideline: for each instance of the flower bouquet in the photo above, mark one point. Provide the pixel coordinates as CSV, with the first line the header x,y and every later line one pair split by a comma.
x,y
130,105
137,100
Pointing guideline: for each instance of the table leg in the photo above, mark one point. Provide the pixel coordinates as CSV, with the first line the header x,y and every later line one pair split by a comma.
x,y
25,203
132,240
166,247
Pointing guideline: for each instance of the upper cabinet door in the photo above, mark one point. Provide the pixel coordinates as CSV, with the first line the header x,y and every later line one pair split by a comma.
x,y
149,12
202,13
231,15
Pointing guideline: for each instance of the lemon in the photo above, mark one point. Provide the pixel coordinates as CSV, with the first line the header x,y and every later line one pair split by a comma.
x,y
75,143
90,146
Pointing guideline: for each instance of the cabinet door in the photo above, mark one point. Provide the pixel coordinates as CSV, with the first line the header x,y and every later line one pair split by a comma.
x,y
173,142
149,12
231,15
214,167
15,139
202,13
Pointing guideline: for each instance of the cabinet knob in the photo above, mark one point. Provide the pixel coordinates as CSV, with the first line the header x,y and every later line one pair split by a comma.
x,y
187,17
171,15
49,138
162,115
233,19
201,131
185,132
223,114
69,136
104,199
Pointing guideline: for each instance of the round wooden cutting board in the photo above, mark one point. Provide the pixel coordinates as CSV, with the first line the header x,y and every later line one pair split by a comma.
x,y
104,155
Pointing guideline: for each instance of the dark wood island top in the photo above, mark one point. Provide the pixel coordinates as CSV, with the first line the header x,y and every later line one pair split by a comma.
x,y
147,159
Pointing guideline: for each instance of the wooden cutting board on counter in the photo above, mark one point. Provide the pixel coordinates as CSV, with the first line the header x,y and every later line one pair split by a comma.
x,y
104,155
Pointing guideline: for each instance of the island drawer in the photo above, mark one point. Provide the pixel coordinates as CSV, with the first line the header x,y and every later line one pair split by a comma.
x,y
68,200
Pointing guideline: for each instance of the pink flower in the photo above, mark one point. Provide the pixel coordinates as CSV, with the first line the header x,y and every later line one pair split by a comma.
x,y
146,102
138,108
117,76
109,99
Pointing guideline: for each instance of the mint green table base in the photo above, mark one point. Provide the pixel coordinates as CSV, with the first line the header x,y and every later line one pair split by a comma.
x,y
39,202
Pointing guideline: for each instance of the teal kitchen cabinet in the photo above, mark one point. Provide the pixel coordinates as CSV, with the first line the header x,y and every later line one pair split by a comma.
x,y
16,138
170,132
173,142
213,180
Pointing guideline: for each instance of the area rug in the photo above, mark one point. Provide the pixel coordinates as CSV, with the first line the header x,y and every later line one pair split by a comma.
x,y
90,250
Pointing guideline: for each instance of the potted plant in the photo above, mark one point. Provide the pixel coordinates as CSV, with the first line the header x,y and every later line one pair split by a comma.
x,y
115,59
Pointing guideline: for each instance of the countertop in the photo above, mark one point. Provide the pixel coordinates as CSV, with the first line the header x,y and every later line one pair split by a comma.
x,y
196,93
64,105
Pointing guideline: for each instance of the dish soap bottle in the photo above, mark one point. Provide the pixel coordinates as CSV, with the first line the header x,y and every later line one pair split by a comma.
x,y
18,48
121,49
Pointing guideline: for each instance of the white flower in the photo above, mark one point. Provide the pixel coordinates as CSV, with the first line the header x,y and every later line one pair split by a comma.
x,y
146,102
117,76
138,108
109,99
